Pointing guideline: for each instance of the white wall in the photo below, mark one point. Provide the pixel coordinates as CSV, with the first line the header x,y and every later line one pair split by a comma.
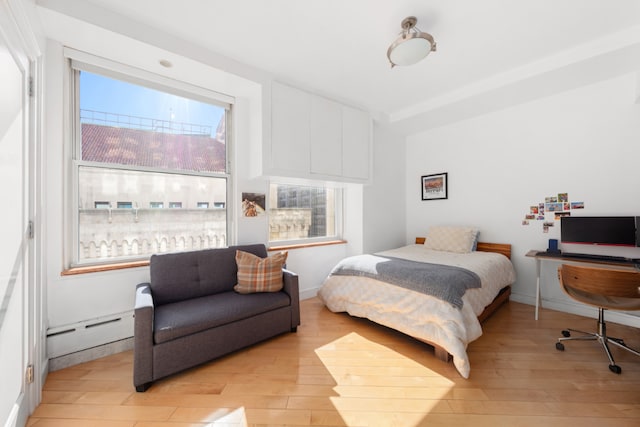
x,y
583,142
72,301
384,199
311,264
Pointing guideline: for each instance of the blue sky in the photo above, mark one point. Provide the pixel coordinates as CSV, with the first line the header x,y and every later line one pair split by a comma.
x,y
114,96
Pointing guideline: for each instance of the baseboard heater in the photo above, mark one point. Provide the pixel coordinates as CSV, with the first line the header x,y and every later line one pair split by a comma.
x,y
71,338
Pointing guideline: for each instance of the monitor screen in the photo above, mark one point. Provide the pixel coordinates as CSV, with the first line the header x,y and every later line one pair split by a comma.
x,y
599,230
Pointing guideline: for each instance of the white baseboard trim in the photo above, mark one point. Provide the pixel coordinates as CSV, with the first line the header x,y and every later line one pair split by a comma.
x,y
572,307
14,414
89,354
308,293
19,413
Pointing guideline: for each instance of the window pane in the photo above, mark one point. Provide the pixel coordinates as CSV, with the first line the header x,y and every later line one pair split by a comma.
x,y
301,212
128,124
139,227
149,164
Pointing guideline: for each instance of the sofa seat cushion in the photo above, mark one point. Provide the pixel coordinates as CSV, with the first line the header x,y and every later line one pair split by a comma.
x,y
182,318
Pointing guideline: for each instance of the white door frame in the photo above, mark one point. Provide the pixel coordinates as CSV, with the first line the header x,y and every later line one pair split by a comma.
x,y
17,33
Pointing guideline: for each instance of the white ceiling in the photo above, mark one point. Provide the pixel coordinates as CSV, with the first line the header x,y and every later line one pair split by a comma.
x,y
491,53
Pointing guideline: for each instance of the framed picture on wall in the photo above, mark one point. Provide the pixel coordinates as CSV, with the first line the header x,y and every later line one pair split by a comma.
x,y
434,187
253,204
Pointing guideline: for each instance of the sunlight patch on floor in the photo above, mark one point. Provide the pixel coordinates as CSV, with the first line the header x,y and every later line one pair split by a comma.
x,y
227,418
370,375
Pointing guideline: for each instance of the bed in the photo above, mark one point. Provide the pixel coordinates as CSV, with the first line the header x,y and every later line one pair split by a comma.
x,y
364,286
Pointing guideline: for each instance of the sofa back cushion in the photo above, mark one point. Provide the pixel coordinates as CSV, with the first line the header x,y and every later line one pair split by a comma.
x,y
185,275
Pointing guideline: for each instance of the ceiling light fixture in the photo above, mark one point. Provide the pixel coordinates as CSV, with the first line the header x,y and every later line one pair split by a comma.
x,y
411,46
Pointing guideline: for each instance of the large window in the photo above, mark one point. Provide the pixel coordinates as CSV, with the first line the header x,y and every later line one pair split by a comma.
x,y
303,212
149,159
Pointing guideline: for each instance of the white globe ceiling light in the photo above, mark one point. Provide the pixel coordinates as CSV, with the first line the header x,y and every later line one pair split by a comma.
x,y
411,46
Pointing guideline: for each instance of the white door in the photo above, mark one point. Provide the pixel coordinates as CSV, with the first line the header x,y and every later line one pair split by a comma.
x,y
14,236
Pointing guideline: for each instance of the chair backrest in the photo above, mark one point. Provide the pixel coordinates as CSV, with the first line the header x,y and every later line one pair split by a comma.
x,y
609,284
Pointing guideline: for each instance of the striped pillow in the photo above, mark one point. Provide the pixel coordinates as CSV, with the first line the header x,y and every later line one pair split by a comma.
x,y
257,274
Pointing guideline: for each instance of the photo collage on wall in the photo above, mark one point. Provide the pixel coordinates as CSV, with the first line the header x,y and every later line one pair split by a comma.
x,y
558,206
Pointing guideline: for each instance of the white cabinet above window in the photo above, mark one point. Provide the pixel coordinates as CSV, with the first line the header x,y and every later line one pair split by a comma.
x,y
317,138
289,130
325,122
356,147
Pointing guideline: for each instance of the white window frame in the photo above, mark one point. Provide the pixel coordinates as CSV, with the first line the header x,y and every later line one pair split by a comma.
x,y
78,60
339,212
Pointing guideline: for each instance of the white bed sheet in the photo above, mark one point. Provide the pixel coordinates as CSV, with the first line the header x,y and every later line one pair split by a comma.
x,y
419,315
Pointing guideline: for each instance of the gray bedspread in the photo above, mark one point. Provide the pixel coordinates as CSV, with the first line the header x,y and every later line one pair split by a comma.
x,y
447,283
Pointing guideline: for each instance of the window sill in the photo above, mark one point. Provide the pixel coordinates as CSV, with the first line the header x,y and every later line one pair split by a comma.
x,y
144,263
306,245
104,267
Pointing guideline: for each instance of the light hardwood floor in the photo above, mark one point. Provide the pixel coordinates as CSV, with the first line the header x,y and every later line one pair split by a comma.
x,y
343,371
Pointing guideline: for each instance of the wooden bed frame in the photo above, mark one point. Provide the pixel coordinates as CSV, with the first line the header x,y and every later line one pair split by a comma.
x,y
499,300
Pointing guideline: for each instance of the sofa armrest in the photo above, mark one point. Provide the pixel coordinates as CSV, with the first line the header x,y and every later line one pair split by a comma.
x,y
143,336
291,287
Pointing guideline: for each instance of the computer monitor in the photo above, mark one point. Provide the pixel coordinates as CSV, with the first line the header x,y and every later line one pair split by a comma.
x,y
600,230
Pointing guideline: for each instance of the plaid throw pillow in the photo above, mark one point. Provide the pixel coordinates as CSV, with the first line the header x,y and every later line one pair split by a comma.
x,y
257,274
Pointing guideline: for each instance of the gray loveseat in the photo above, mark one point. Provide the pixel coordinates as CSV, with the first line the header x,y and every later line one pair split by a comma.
x,y
189,313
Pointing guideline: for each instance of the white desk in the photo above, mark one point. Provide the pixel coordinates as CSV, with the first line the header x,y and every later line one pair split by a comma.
x,y
540,256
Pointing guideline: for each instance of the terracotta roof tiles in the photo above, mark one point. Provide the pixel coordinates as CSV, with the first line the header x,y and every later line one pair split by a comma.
x,y
152,149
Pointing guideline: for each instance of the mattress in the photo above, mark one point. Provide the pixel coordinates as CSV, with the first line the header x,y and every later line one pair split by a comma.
x,y
419,315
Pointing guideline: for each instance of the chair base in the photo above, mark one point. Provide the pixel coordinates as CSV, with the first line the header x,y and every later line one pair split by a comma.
x,y
601,337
